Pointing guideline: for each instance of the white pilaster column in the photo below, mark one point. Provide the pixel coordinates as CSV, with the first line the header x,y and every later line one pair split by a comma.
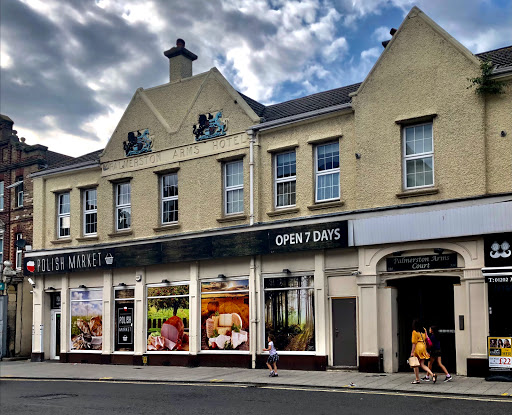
x,y
108,330
462,340
368,315
388,330
65,322
140,312
477,313
39,315
194,310
321,314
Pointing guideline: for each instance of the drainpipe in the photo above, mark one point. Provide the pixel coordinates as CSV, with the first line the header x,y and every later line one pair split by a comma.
x,y
252,140
252,313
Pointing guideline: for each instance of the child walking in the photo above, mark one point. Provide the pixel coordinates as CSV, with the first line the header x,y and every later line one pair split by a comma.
x,y
435,354
273,356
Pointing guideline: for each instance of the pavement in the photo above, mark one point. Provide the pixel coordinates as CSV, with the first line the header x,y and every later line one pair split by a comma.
x,y
460,386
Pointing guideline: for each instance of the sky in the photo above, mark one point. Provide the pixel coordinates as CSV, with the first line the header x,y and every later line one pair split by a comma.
x,y
69,68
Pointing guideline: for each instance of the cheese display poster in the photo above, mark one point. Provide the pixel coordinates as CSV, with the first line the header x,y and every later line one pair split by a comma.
x,y
225,315
168,318
86,320
289,313
500,353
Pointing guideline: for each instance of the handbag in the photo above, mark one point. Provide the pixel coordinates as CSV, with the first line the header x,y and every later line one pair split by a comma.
x,y
413,361
427,341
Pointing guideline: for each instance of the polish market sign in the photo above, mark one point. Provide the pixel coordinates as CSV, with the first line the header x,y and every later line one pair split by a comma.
x,y
499,353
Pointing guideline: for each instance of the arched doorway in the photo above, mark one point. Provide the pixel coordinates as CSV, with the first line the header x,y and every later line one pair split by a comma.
x,y
429,298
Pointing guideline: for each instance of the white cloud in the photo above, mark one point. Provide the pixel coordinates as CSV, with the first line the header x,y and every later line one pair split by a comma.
x,y
335,50
5,59
381,33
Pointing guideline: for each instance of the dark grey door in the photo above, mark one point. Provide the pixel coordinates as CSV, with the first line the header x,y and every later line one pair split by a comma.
x,y
344,331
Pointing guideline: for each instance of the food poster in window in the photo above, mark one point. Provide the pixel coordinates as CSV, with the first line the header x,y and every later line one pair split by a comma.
x,y
225,315
168,318
289,313
86,320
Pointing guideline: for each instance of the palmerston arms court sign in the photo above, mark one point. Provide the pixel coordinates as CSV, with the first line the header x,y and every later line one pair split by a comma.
x,y
258,242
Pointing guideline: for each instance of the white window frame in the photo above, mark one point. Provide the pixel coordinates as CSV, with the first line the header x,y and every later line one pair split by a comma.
x,y
406,157
2,187
61,215
87,212
121,206
281,180
318,174
19,193
1,250
168,198
19,252
233,188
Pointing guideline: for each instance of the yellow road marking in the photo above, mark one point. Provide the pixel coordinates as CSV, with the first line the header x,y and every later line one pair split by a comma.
x,y
106,377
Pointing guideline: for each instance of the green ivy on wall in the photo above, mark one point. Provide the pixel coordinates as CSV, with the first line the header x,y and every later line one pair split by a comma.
x,y
485,84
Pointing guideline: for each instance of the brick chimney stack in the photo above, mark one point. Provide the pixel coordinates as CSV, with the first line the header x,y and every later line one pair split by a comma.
x,y
180,61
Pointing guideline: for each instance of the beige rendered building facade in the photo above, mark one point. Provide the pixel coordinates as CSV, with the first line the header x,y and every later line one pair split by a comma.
x,y
329,221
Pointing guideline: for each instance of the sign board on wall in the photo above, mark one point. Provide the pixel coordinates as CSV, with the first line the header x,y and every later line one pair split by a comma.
x,y
498,250
499,353
260,242
423,262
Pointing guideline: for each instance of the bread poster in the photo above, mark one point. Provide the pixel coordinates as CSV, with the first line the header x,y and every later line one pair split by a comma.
x,y
225,315
86,320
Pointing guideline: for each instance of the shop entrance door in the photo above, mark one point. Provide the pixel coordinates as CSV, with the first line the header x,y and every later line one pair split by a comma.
x,y
429,298
55,335
344,332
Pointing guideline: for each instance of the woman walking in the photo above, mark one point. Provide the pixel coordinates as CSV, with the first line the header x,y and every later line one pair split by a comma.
x,y
419,349
435,354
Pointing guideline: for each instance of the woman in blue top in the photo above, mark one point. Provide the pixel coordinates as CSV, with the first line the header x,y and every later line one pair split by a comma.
x,y
435,354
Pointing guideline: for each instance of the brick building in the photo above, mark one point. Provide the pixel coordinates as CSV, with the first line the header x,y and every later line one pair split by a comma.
x,y
17,161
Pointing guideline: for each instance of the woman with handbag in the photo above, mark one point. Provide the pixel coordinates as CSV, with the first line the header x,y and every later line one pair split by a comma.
x,y
419,352
435,354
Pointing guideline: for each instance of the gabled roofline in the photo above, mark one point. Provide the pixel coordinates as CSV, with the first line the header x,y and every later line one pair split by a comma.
x,y
416,12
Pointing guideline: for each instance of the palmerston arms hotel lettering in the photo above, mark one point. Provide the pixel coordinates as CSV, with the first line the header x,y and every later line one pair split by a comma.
x,y
258,242
174,155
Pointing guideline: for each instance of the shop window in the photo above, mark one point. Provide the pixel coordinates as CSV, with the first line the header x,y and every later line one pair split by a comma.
x,y
63,215
19,253
169,205
18,190
234,187
90,218
225,314
418,156
124,306
290,312
168,317
2,195
285,179
327,172
86,319
123,206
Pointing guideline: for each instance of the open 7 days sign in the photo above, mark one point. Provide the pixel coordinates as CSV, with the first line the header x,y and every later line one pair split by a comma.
x,y
326,235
